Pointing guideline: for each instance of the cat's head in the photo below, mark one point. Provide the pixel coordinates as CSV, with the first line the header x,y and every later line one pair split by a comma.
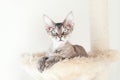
x,y
59,31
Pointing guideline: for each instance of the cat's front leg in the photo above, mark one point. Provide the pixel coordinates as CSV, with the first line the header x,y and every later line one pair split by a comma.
x,y
52,60
41,63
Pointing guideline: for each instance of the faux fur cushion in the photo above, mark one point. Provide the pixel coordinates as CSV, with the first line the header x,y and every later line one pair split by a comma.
x,y
92,68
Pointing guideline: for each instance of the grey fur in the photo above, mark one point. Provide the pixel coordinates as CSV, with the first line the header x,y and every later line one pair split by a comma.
x,y
67,51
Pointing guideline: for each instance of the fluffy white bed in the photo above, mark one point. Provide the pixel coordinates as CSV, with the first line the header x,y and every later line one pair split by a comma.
x,y
92,68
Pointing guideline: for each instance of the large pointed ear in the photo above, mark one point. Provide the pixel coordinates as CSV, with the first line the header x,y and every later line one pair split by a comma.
x,y
49,24
69,20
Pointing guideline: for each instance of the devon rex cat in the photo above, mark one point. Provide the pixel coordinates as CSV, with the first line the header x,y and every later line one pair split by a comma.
x,y
61,48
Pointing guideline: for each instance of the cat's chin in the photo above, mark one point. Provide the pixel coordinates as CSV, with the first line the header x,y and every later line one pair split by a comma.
x,y
61,41
58,40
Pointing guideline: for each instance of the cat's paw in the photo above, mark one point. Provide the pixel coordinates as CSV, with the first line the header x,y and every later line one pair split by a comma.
x,y
41,64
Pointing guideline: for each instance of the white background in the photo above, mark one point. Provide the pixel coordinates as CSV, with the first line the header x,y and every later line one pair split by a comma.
x,y
22,30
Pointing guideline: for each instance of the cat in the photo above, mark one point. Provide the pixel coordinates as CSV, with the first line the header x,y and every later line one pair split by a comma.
x,y
61,47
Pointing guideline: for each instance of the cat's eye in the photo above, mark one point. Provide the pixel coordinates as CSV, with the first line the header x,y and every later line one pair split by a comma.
x,y
66,30
54,32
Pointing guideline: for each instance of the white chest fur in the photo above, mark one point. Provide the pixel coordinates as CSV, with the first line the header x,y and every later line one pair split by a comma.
x,y
58,44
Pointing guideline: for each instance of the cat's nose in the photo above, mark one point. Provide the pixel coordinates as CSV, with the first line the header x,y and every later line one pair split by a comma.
x,y
59,35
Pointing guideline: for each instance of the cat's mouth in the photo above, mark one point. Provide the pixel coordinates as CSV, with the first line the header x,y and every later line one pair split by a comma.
x,y
60,39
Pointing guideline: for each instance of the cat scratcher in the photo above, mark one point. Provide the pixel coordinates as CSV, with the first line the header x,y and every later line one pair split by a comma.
x,y
95,67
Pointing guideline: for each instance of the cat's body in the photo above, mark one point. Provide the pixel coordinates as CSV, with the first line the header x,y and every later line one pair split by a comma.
x,y
61,48
67,50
